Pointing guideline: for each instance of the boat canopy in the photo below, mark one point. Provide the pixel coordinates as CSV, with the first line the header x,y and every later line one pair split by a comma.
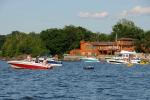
x,y
127,52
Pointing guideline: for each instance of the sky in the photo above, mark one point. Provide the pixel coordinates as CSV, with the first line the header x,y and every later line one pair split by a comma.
x,y
94,15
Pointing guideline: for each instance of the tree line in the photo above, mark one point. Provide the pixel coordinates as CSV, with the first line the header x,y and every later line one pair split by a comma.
x,y
59,41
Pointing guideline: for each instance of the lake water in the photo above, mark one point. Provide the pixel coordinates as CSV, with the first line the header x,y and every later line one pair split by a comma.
x,y
72,82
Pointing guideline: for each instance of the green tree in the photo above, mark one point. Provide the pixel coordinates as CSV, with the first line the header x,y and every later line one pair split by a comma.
x,y
53,39
144,44
18,43
103,37
73,36
2,40
59,41
127,29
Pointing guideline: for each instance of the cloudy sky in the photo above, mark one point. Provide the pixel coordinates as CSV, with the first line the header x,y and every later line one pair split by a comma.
x,y
95,15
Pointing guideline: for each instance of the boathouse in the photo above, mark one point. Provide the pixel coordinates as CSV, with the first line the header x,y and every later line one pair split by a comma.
x,y
103,48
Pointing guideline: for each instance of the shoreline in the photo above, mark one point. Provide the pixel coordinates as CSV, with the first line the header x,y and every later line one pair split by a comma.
x,y
75,58
20,57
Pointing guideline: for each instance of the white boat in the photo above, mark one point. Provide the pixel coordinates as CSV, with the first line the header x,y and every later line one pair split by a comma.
x,y
124,57
89,59
115,60
28,65
135,61
51,61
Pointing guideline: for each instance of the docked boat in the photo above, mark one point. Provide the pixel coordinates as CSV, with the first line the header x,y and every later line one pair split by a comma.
x,y
124,57
28,65
116,61
89,59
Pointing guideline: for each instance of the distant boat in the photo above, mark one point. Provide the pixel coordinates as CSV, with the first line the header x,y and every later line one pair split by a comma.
x,y
89,59
116,61
28,65
88,67
124,57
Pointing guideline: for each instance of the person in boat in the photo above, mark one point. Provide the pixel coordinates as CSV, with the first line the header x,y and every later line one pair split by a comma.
x,y
56,57
29,58
37,59
45,63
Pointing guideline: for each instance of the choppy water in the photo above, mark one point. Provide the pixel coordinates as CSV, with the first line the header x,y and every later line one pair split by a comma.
x,y
72,82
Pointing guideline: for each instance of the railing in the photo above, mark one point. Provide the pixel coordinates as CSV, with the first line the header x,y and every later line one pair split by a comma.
x,y
113,48
126,43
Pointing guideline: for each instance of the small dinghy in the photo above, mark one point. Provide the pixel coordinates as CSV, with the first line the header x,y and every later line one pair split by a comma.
x,y
88,67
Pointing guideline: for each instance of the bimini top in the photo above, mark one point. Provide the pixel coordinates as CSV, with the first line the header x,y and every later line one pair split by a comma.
x,y
127,52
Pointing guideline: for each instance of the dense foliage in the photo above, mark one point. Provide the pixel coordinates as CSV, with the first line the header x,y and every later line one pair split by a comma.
x,y
144,43
2,40
59,41
127,29
18,43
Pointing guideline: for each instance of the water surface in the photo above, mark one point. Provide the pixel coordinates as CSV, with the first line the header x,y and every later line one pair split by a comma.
x,y
72,82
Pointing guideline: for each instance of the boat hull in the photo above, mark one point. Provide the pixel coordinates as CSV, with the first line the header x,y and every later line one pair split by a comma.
x,y
55,63
27,65
89,59
116,61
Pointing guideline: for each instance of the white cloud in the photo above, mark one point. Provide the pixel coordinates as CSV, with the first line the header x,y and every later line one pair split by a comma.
x,y
138,10
95,15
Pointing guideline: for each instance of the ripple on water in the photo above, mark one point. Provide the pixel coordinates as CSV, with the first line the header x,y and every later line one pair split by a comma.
x,y
72,82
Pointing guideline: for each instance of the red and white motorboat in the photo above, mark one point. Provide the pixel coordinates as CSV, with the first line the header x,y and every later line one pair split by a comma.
x,y
28,65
